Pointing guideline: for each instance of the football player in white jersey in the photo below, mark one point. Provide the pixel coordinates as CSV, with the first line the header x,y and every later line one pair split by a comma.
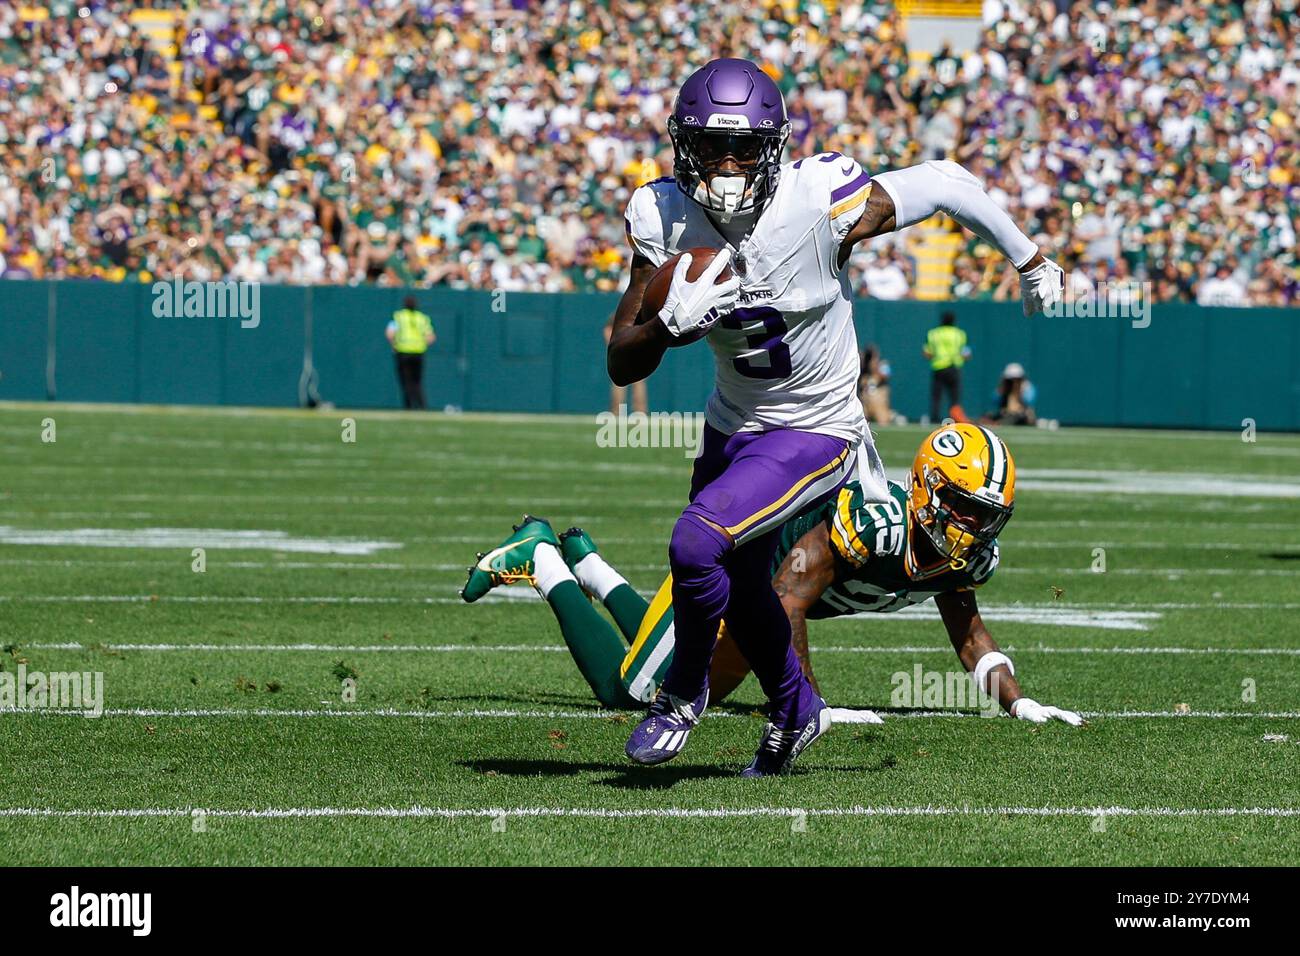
x,y
784,426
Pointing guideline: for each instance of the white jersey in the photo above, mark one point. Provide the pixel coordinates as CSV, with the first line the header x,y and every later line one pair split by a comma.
x,y
788,356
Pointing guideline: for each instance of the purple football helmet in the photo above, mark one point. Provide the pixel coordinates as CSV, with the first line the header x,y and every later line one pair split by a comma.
x,y
728,107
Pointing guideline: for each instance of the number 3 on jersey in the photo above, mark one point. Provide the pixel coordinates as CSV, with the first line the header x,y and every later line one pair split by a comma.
x,y
769,339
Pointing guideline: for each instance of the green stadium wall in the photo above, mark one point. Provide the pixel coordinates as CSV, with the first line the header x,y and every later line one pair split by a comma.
x,y
533,352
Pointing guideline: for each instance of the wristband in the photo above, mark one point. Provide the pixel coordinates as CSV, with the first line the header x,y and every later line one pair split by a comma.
x,y
986,663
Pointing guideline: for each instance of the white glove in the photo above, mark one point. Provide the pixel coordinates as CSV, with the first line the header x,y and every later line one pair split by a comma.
x,y
844,715
696,306
1042,286
1026,708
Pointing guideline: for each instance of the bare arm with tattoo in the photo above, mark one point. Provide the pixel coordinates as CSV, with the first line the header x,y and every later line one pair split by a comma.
x,y
879,217
944,186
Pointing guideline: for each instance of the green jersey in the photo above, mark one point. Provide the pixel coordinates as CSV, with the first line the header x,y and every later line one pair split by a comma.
x,y
871,538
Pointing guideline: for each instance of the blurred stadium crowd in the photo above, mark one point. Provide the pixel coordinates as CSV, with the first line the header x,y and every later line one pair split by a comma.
x,y
495,145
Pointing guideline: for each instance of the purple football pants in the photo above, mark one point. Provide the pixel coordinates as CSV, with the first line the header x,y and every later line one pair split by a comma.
x,y
745,486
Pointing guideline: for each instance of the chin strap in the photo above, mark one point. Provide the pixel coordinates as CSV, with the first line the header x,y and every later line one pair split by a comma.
x,y
954,564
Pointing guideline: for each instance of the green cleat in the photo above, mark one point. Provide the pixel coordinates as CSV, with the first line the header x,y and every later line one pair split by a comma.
x,y
576,544
510,562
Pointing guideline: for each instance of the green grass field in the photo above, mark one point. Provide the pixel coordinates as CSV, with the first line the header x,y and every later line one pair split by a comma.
x,y
473,739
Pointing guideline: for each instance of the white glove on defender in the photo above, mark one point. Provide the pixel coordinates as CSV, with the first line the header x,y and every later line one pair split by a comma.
x,y
1042,286
1026,708
696,306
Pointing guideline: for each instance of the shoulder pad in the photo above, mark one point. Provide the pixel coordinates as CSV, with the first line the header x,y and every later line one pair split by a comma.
x,y
983,565
837,181
844,526
649,211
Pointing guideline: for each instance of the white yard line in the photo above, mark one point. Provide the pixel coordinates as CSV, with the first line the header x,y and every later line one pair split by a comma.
x,y
378,712
1230,436
217,561
670,813
498,504
187,538
500,597
596,492
216,599
1159,572
1027,523
914,612
79,537
307,470
1098,606
1257,546
594,714
531,419
560,648
332,648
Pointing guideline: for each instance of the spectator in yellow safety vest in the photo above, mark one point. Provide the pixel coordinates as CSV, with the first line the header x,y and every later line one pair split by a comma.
x,y
411,333
945,347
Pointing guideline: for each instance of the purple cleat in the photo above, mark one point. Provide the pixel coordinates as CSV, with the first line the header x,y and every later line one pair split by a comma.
x,y
662,735
779,749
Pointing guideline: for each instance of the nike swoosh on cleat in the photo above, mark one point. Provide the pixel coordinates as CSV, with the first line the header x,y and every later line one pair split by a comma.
x,y
485,563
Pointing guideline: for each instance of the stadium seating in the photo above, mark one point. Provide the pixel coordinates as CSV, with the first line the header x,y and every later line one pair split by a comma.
x,y
408,144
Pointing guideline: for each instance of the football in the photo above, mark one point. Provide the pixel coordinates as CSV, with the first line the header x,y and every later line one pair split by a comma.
x,y
656,290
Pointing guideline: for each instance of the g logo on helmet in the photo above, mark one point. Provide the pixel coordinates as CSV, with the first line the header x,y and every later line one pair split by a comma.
x,y
948,442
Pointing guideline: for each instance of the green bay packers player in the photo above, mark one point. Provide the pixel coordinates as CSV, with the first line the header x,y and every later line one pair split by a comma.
x,y
935,538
